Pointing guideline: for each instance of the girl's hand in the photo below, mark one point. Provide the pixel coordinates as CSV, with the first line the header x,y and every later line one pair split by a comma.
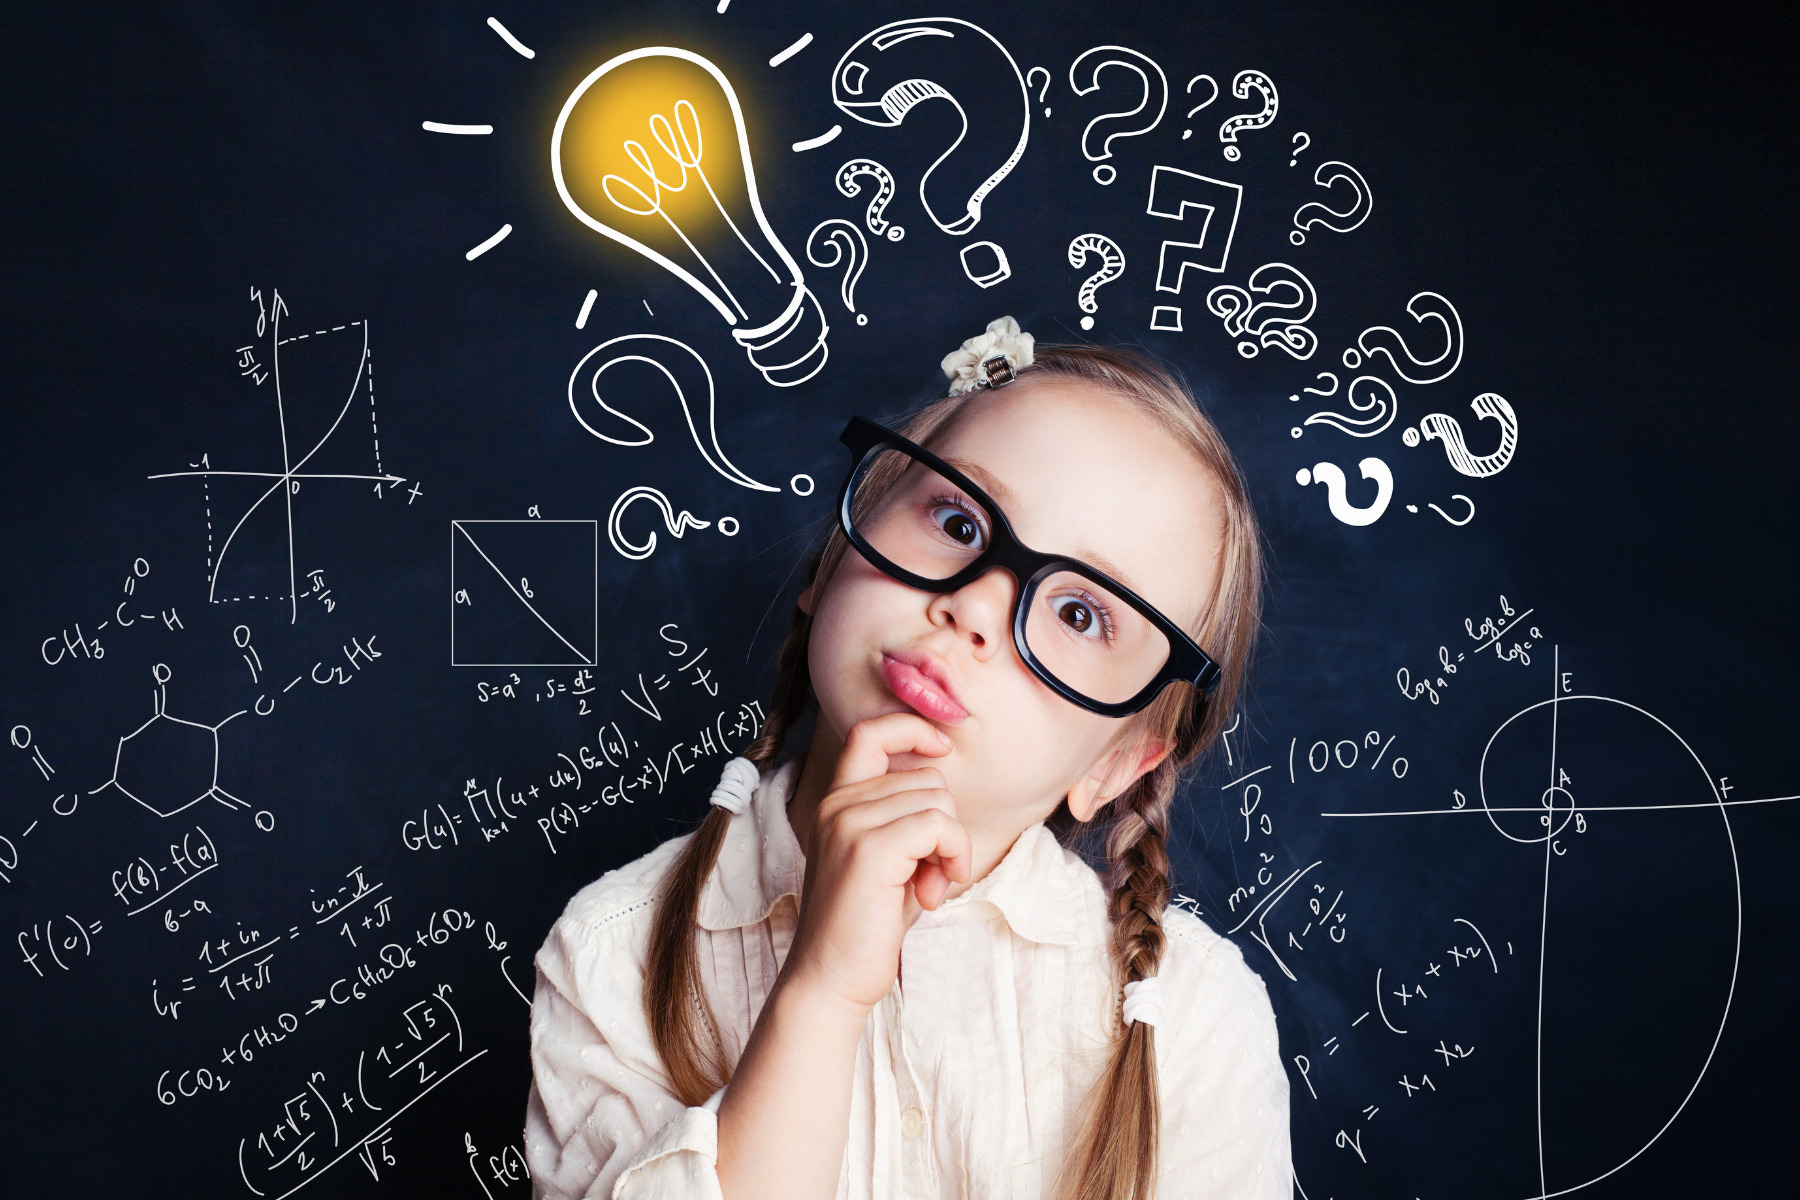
x,y
885,847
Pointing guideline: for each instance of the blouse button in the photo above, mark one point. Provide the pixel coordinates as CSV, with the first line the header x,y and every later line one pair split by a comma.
x,y
911,1122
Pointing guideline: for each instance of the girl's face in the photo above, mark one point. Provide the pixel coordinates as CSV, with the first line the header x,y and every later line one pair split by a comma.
x,y
1077,472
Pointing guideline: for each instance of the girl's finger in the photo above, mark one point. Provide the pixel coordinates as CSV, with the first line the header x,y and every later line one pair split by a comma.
x,y
871,742
857,797
883,785
861,817
931,833
929,884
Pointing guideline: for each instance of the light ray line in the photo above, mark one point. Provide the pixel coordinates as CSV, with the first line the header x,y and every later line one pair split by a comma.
x,y
507,37
441,127
587,306
801,43
815,143
482,249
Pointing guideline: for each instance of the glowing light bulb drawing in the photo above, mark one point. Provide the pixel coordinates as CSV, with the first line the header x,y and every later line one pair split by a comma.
x,y
673,203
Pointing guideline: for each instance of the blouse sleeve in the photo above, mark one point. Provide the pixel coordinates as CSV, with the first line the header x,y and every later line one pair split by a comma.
x,y
600,1121
1224,1092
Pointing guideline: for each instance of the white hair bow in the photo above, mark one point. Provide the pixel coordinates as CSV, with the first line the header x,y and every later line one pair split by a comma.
x,y
736,785
1143,1001
967,368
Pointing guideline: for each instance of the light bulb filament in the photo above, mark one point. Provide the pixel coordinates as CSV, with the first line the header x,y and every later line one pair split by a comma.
x,y
689,156
695,147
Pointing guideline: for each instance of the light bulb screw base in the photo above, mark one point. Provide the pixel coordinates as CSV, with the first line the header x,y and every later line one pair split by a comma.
x,y
791,349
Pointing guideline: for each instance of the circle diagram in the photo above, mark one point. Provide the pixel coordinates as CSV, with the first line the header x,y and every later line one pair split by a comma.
x,y
1641,924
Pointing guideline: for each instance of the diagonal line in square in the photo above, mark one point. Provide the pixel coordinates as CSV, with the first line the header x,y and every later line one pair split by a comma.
x,y
522,600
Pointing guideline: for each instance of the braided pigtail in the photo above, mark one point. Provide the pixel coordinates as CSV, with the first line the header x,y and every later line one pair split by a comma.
x,y
673,999
1114,1152
1117,1134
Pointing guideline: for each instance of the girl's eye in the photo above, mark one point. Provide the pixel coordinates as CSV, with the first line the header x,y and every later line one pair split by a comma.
x,y
956,524
1082,617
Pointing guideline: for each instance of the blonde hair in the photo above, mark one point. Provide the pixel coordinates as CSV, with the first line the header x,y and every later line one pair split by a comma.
x,y
1114,1152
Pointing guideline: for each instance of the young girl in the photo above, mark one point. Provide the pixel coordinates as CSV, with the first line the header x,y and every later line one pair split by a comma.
x,y
877,971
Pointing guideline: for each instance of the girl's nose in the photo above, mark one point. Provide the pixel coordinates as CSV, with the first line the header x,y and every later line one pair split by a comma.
x,y
981,610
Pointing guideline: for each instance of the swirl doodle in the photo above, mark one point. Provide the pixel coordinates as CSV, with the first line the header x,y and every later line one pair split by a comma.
x,y
1368,394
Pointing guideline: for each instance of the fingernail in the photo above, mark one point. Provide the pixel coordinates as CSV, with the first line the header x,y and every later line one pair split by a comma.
x,y
943,738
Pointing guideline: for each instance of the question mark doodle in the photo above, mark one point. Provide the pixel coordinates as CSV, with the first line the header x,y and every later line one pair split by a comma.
x,y
1381,339
1367,394
1177,195
1156,90
843,241
1271,322
1112,265
1261,118
1304,141
644,344
1214,84
1042,91
677,525
1332,476
893,69
1413,508
1487,406
884,191
1329,175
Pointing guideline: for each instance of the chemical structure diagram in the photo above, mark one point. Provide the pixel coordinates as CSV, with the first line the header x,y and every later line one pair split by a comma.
x,y
171,764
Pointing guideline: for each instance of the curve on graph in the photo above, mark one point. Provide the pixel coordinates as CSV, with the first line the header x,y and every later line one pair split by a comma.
x,y
362,365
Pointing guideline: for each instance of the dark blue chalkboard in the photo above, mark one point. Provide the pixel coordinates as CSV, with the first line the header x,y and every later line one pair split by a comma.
x,y
330,672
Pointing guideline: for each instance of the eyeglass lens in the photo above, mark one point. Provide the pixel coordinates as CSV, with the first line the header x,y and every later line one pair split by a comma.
x,y
1086,636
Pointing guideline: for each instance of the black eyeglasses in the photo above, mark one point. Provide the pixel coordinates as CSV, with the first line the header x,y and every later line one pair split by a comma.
x,y
1093,640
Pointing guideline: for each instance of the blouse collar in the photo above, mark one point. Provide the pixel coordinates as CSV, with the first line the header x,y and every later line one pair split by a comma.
x,y
1045,892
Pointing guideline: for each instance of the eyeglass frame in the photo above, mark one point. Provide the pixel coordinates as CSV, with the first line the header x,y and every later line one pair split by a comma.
x,y
1187,662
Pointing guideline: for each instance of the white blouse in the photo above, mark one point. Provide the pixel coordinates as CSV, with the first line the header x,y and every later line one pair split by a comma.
x,y
968,1077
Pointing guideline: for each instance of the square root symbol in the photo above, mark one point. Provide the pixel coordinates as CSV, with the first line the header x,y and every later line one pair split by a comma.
x,y
524,593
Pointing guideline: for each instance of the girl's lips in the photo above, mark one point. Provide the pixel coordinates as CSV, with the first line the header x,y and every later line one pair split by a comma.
x,y
925,695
